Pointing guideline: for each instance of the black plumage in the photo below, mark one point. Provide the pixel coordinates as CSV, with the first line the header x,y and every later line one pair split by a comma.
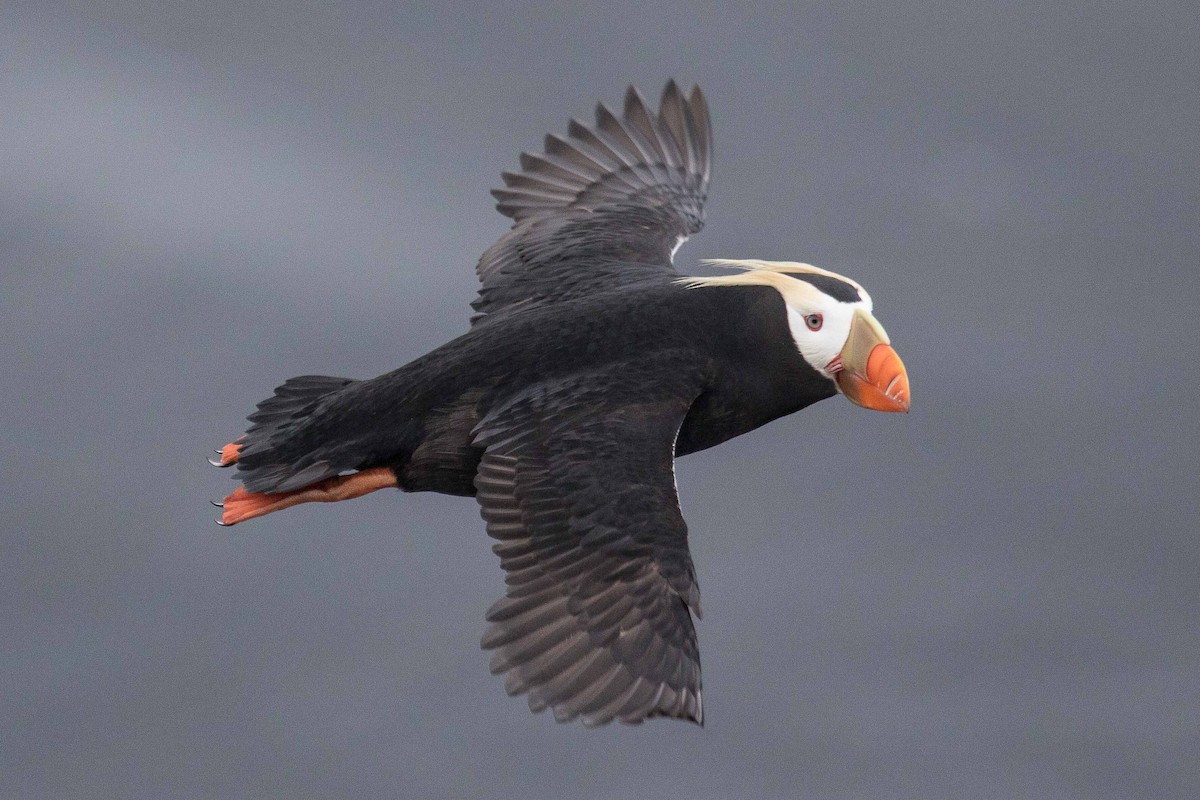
x,y
602,208
588,368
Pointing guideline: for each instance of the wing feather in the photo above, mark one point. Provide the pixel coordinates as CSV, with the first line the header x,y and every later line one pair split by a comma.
x,y
601,208
596,621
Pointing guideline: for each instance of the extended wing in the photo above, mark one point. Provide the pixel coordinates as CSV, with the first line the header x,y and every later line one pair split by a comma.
x,y
596,622
603,207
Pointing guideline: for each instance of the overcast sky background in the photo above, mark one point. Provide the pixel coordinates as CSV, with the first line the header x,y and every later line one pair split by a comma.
x,y
995,596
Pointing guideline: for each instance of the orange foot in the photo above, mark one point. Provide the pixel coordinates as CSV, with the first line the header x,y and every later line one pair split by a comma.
x,y
242,505
228,454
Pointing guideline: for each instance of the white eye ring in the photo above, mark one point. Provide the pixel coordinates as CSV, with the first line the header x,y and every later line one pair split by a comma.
x,y
814,321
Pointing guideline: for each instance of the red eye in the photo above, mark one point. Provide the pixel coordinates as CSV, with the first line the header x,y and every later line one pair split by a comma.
x,y
814,321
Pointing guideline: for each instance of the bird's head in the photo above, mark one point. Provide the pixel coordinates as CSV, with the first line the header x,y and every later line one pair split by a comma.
x,y
831,321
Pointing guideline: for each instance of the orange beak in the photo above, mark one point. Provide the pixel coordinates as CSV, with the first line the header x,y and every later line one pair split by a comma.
x,y
872,375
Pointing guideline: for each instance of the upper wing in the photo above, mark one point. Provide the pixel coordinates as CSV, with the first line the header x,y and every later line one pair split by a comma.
x,y
605,206
581,496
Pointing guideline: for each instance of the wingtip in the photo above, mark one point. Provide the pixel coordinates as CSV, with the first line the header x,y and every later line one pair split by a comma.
x,y
605,116
670,96
634,99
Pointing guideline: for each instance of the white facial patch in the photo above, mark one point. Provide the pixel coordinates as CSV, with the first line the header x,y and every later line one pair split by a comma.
x,y
819,347
802,299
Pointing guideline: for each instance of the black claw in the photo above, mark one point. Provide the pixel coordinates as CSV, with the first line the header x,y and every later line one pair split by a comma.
x,y
218,503
222,524
216,462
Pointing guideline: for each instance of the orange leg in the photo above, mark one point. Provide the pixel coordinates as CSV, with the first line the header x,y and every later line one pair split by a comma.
x,y
242,505
228,455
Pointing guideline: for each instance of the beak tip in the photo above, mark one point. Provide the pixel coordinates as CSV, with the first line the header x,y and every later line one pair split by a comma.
x,y
883,387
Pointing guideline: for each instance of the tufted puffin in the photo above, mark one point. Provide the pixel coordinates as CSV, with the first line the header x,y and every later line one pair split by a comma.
x,y
589,366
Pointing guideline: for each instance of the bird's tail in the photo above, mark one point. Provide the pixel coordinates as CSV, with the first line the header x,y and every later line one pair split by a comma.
x,y
285,457
262,453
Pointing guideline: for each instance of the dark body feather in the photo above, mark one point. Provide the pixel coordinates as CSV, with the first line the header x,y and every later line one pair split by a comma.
x,y
564,422
727,348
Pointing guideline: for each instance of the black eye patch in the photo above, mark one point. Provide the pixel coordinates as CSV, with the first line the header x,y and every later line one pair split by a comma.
x,y
837,289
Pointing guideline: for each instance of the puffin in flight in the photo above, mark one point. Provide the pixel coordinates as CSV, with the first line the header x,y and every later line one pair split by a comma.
x,y
590,365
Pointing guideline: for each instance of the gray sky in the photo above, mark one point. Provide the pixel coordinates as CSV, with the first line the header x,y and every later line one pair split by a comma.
x,y
993,597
